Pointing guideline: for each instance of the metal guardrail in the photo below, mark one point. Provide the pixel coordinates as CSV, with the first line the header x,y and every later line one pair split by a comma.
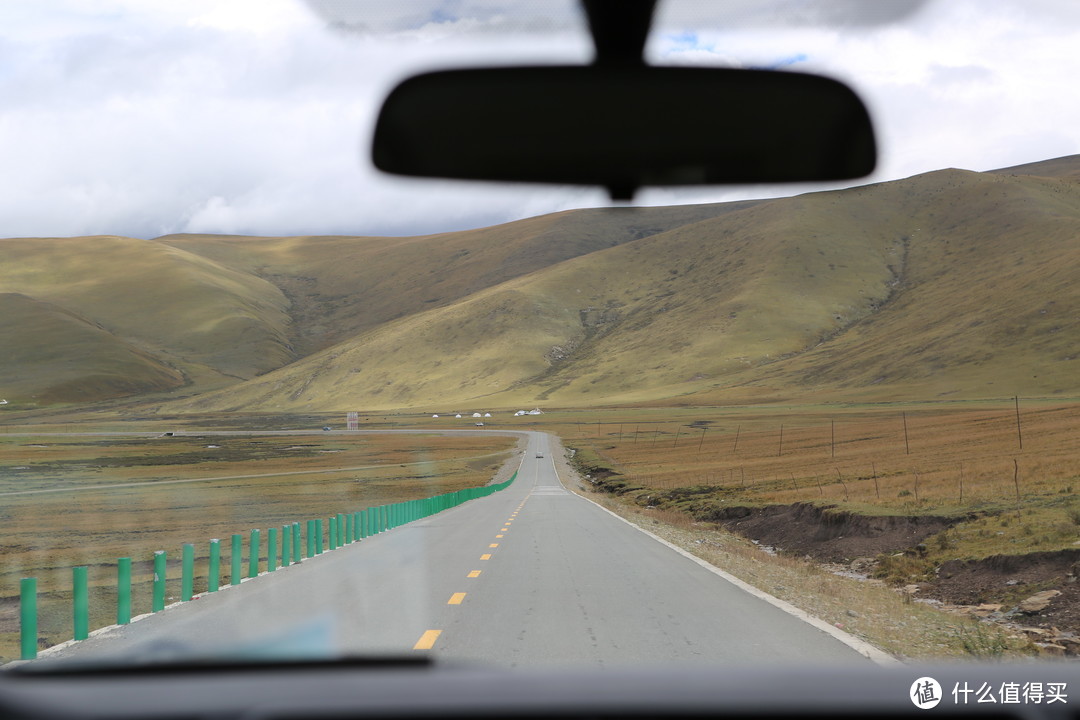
x,y
341,530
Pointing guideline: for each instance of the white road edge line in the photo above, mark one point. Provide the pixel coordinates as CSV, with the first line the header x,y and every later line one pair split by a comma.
x,y
859,645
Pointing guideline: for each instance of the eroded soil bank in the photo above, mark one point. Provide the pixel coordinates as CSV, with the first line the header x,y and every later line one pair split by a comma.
x,y
825,533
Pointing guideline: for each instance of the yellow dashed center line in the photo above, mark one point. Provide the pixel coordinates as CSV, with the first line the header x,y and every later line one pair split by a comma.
x,y
485,556
456,599
474,574
493,545
427,640
498,536
505,529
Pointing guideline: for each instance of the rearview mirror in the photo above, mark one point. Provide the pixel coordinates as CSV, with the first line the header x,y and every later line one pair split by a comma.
x,y
624,127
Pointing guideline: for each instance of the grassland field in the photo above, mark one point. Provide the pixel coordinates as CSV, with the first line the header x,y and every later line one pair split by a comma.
x,y
962,460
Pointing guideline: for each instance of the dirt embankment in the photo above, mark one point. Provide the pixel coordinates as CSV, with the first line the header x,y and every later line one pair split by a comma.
x,y
825,533
1033,590
1040,589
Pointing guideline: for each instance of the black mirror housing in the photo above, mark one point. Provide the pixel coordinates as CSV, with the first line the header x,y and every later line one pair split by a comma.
x,y
625,127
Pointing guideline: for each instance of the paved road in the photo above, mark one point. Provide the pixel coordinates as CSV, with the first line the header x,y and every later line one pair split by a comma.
x,y
528,576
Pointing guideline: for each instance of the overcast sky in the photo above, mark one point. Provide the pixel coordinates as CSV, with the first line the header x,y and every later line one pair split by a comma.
x,y
146,117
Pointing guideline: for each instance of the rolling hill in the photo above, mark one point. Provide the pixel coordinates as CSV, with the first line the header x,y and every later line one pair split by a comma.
x,y
949,284
215,310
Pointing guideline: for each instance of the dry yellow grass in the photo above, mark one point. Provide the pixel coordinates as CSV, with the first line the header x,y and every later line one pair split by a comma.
x,y
861,457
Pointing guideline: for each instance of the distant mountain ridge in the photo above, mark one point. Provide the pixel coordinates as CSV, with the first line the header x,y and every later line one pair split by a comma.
x,y
949,284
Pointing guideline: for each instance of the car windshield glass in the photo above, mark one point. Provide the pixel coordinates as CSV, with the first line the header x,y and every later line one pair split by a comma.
x,y
260,400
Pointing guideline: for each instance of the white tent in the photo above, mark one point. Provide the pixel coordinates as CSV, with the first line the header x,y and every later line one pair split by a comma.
x,y
519,412
476,415
458,415
535,411
434,416
487,414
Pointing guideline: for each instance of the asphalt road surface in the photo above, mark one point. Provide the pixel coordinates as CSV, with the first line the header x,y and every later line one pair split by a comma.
x,y
532,575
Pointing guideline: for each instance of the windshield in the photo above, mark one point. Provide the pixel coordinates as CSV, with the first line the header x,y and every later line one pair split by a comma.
x,y
259,400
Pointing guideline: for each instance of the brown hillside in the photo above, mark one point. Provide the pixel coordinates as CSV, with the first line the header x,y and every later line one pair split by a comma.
x,y
212,323
340,286
67,358
985,304
1068,166
951,284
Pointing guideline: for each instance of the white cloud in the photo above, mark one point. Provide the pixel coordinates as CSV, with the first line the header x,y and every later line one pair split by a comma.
x,y
960,84
251,116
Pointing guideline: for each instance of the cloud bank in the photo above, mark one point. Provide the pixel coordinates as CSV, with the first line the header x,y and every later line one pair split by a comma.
x,y
142,118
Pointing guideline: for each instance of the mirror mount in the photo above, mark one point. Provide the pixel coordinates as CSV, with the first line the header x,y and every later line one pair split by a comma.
x,y
619,29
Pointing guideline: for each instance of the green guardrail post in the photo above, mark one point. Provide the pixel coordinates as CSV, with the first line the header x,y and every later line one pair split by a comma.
x,y
297,548
28,618
311,538
80,600
235,558
253,557
331,530
123,591
318,536
271,549
187,572
350,528
159,581
286,541
214,578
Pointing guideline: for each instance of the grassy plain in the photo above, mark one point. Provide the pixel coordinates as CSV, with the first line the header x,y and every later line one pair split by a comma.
x,y
68,501
961,459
